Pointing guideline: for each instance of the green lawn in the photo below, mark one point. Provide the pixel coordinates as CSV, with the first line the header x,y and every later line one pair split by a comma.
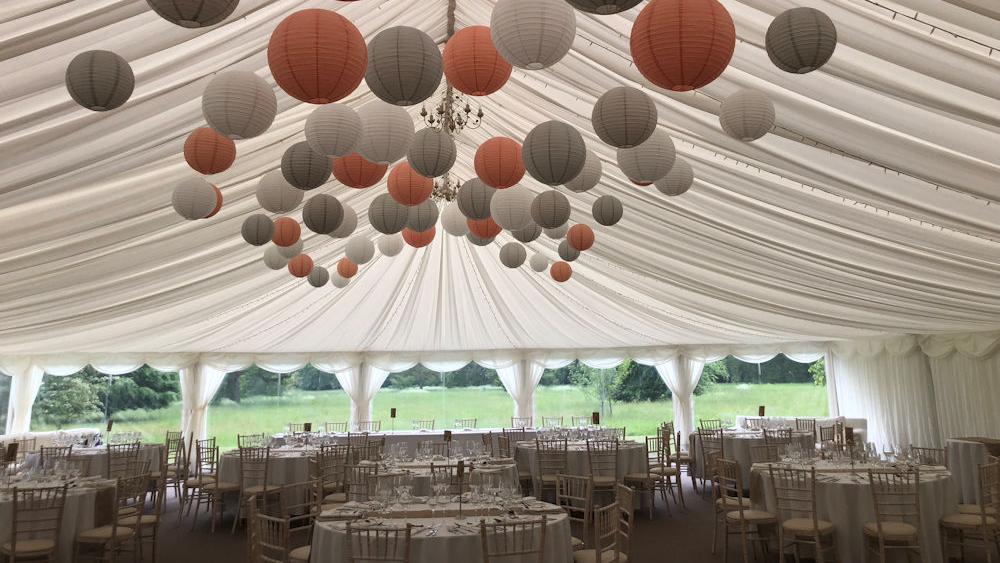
x,y
490,405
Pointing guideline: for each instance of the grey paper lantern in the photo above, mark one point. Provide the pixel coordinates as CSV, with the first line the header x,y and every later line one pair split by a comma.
x,y
528,234
276,195
678,180
453,221
305,168
513,255
193,13
336,280
391,245
322,214
348,225
511,208
554,153
649,161
333,129
800,40
404,66
432,153
603,7
239,104
292,250
538,262
533,34
550,209
359,249
607,210
479,241
746,114
474,199
558,232
386,132
99,80
624,117
318,276
274,259
591,174
194,198
567,252
386,215
423,216
257,229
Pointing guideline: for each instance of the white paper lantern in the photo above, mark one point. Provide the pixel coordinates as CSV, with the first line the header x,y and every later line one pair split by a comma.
x,y
322,214
432,152
554,153
99,80
533,34
292,250
528,234
511,208
538,262
276,195
474,198
305,168
479,241
391,245
194,198
558,232
348,224
318,276
513,255
649,161
624,117
404,66
386,132
359,249
591,174
567,252
603,7
336,280
746,114
550,209
678,180
453,221
607,210
800,40
257,229
239,104
333,129
386,215
193,13
423,216
274,259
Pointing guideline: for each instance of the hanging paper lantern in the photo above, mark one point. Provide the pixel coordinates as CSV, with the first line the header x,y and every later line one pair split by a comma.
x,y
408,187
513,255
603,7
681,45
286,231
194,198
498,162
386,215
649,161
533,34
346,269
567,252
589,176
478,241
336,280
404,66
239,104
322,214
99,80
359,249
538,262
257,229
300,266
550,209
607,210
554,153
419,240
747,114
303,167
432,152
276,195
292,250
529,233
193,13
348,225
423,216
624,117
273,259
453,221
557,232
511,209
474,199
472,64
391,245
333,130
317,56
800,40
354,171
319,276
561,271
678,180
484,228
218,202
580,237
208,152
386,132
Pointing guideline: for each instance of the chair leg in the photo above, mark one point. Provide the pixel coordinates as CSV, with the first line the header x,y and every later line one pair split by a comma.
x,y
680,491
239,510
715,530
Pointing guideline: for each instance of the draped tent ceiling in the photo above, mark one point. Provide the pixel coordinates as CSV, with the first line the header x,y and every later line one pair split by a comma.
x,y
785,239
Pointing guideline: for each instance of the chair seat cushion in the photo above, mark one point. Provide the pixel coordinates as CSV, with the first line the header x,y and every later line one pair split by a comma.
x,y
662,470
332,487
146,520
29,547
753,516
892,530
966,521
221,487
590,556
641,477
576,543
604,481
548,479
683,458
258,489
104,533
730,503
299,554
199,481
339,498
975,509
804,526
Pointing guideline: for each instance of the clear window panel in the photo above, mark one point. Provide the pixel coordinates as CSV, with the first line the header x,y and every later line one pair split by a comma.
x,y
421,394
731,388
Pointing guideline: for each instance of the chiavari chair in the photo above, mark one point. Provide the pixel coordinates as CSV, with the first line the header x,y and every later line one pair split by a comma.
x,y
299,504
661,462
37,521
335,427
575,495
369,426
517,434
778,437
251,440
378,543
442,449
109,540
709,424
602,463
755,423
646,483
357,481
427,424
329,471
206,460
606,538
712,442
172,459
806,425
507,540
504,446
118,458
578,421
270,537
930,456
795,493
253,481
976,528
487,439
765,454
147,524
49,455
741,520
456,484
625,499
296,427
521,422
550,460
470,423
896,496
552,422
683,461
26,446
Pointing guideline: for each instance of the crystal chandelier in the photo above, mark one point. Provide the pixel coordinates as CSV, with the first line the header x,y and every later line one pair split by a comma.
x,y
446,188
453,113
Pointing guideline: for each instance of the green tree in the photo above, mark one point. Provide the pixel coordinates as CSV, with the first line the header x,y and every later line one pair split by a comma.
x,y
66,400
598,384
637,382
818,372
311,379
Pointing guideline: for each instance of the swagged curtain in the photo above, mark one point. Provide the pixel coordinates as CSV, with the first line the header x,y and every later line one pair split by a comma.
x,y
965,370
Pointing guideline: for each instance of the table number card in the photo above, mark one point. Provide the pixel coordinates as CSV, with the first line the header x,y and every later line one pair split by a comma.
x,y
307,427
447,435
849,434
760,410
461,469
111,424
595,418
12,451
392,412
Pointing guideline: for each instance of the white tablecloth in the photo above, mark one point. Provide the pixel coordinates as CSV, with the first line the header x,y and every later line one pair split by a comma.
x,y
284,467
631,459
48,438
413,438
860,425
737,448
964,459
99,458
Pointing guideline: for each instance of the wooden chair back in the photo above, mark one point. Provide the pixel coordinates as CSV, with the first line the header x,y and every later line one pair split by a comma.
x,y
766,453
426,424
777,436
357,481
755,423
466,423
930,456
551,456
38,514
521,422
516,434
375,543
575,495
335,427
896,495
50,455
552,422
513,540
119,456
254,467
578,421
709,424
795,493
625,499
606,522
251,440
602,458
369,426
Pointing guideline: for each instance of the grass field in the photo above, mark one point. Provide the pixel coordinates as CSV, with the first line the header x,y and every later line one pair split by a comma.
x,y
492,406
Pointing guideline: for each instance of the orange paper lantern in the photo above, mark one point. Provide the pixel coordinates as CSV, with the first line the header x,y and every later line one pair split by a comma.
x,y
346,268
580,237
317,56
561,271
499,163
218,202
472,64
640,184
286,231
208,152
484,228
681,45
354,171
408,187
300,266
419,239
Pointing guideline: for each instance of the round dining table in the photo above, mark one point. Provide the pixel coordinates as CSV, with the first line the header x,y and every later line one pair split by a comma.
x,y
737,446
631,458
965,455
97,457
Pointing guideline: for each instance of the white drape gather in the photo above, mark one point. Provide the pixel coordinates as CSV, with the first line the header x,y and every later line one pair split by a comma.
x,y
966,374
361,382
681,375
